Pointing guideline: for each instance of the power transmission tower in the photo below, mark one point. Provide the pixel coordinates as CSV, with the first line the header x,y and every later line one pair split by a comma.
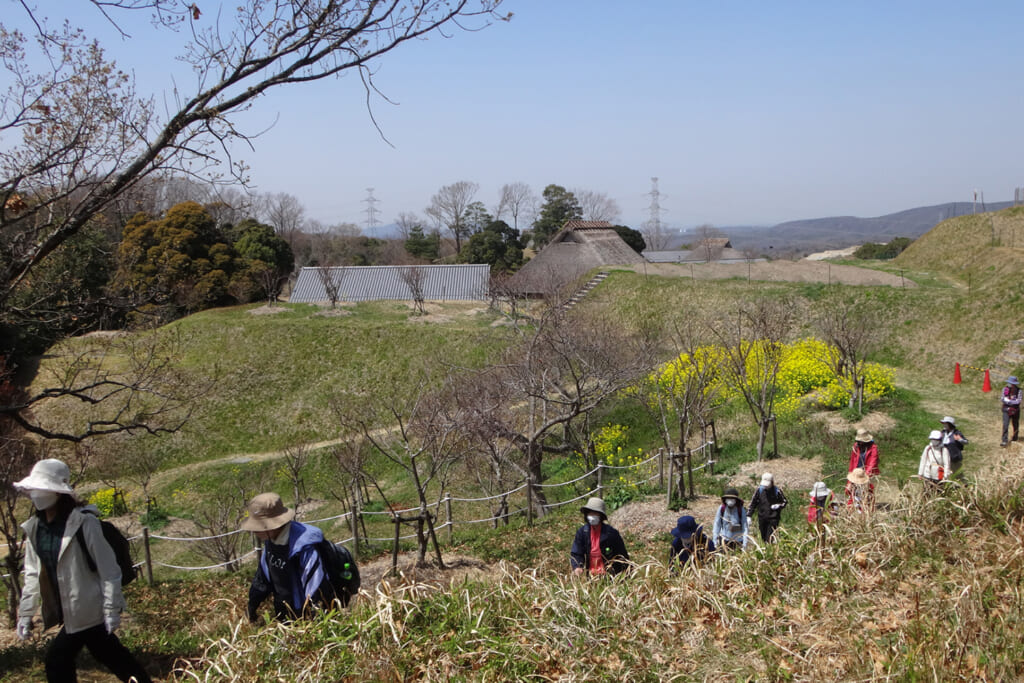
x,y
371,209
656,238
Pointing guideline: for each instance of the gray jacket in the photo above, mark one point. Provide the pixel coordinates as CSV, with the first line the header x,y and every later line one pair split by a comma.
x,y
86,596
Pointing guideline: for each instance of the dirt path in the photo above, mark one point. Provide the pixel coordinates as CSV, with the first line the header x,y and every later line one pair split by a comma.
x,y
777,271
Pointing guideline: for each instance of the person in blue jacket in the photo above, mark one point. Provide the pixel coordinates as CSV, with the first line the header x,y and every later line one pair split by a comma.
x,y
597,548
291,567
689,542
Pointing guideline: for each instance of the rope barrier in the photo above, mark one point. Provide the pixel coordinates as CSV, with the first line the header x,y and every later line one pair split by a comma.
x,y
488,519
629,467
197,538
566,483
494,497
549,506
212,566
328,519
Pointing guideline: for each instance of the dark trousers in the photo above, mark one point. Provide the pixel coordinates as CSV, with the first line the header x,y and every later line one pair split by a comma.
x,y
767,527
1007,419
105,647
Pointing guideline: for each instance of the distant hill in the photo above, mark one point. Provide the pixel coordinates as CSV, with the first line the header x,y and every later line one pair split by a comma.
x,y
836,232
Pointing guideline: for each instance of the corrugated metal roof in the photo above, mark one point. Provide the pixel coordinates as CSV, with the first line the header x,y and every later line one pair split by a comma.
x,y
372,283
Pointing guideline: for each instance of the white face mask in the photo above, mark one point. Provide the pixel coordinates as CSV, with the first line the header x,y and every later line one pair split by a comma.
x,y
593,520
936,442
43,500
731,502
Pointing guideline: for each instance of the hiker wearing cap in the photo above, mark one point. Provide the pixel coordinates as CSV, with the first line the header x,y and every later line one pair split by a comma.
x,y
597,548
822,505
290,567
863,456
86,601
1011,408
954,442
689,542
731,523
934,466
767,503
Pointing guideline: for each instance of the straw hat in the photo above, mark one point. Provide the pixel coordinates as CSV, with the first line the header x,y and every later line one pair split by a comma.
x,y
594,505
819,490
266,513
858,476
863,436
767,479
47,475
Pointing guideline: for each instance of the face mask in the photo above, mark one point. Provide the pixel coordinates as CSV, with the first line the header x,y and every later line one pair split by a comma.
x,y
593,520
43,500
936,442
731,502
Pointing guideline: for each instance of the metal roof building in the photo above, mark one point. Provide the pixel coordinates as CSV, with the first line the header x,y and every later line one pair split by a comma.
x,y
371,283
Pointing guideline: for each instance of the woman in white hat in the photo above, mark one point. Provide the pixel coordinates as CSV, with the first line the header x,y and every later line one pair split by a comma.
x,y
934,465
954,441
597,548
822,506
732,525
87,602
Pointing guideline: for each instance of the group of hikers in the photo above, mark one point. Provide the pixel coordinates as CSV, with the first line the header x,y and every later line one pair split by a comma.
x,y
73,577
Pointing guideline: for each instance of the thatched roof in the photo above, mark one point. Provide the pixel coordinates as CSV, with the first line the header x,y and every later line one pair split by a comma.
x,y
580,246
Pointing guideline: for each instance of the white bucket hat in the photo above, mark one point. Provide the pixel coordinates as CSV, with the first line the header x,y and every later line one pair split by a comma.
x,y
948,419
47,475
935,434
819,489
594,505
767,479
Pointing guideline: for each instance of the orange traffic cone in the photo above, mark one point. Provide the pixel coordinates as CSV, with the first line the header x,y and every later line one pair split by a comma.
x,y
956,374
987,384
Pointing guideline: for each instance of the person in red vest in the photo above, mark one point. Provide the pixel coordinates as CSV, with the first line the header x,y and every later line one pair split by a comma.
x,y
865,457
597,548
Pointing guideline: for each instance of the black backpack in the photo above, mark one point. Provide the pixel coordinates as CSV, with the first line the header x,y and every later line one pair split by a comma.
x,y
342,571
118,543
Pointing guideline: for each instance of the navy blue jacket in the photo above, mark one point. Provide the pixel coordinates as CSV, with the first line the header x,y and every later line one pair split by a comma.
x,y
613,549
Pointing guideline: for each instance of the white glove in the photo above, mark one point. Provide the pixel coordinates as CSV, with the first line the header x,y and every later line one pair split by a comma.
x,y
113,621
24,627
776,506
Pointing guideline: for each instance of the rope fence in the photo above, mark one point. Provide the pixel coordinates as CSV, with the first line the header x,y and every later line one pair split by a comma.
x,y
647,472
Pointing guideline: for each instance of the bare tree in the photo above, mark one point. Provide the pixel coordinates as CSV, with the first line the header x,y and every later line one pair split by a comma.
x,y
331,279
448,208
87,137
849,323
407,222
296,458
414,431
656,236
218,519
517,199
753,343
597,206
709,240
415,278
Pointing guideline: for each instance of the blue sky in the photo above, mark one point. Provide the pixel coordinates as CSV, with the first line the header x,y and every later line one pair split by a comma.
x,y
747,112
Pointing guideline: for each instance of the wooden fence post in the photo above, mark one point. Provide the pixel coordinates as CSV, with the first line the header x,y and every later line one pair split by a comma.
x,y
355,527
600,480
775,436
394,548
671,475
529,500
689,468
149,557
661,467
448,515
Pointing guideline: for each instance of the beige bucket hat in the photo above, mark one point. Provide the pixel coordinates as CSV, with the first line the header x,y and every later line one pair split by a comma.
x,y
266,513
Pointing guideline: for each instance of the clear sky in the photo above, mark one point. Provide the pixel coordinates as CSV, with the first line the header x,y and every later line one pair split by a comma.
x,y
748,112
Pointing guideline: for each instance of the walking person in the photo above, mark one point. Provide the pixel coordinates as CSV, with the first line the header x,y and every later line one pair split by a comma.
x,y
598,547
63,535
822,506
859,492
954,441
291,567
767,503
1011,409
934,465
689,542
731,529
863,456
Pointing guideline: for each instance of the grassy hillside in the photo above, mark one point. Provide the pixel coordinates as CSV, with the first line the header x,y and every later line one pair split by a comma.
x,y
928,588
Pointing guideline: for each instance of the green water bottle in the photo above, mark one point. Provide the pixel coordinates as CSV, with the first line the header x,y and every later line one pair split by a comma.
x,y
346,572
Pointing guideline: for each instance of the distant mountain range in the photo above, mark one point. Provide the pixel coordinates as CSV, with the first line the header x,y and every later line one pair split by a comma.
x,y
836,232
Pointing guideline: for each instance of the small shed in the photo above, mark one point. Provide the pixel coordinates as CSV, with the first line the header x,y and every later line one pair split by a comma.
x,y
372,283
